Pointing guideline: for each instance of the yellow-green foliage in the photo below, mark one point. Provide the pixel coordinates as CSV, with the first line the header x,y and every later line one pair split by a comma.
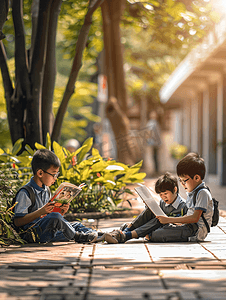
x,y
106,179
79,106
178,151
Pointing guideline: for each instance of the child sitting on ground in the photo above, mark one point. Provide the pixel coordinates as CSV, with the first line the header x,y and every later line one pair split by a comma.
x,y
171,203
45,224
191,171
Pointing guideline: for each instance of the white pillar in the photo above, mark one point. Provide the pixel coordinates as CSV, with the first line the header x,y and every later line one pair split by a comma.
x,y
220,115
194,123
206,125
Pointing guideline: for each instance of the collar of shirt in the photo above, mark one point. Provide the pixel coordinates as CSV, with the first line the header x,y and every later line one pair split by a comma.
x,y
190,194
176,203
37,187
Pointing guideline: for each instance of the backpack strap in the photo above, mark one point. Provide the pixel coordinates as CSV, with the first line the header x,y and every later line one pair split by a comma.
x,y
31,195
194,202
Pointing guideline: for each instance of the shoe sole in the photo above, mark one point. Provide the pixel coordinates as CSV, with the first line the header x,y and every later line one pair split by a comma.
x,y
110,239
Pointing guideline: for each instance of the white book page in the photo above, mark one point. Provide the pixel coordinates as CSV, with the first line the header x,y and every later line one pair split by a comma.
x,y
149,200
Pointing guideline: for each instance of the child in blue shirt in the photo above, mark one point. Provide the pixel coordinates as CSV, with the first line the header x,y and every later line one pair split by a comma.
x,y
45,224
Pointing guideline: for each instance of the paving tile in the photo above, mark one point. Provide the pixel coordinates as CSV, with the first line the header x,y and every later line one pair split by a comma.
x,y
123,282
134,270
121,253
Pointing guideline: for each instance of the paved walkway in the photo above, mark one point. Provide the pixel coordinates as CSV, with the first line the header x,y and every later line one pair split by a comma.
x,y
135,270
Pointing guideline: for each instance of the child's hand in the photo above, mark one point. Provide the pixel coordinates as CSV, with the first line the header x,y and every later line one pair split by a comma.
x,y
163,220
47,208
64,208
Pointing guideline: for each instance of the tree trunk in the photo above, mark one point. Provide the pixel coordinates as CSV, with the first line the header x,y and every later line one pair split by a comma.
x,y
4,8
116,108
126,144
50,72
77,64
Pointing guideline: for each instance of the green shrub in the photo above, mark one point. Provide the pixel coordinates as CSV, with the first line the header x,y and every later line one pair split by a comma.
x,y
106,180
9,184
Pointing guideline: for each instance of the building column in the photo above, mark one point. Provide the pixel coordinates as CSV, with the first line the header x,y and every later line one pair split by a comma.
x,y
200,122
221,136
213,128
194,123
205,130
187,123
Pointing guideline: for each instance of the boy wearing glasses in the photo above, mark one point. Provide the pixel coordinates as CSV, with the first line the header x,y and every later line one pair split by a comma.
x,y
191,172
45,224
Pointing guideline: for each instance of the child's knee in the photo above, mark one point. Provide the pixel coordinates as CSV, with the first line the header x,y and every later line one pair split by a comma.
x,y
55,215
159,236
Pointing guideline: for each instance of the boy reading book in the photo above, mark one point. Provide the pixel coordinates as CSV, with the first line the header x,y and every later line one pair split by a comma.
x,y
171,203
40,218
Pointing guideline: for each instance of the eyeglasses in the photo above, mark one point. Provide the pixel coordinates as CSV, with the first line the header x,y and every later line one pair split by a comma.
x,y
55,176
183,181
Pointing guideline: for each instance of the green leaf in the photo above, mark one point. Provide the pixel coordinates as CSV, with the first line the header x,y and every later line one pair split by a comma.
x,y
88,144
39,146
137,177
58,150
99,166
29,150
48,141
128,191
17,146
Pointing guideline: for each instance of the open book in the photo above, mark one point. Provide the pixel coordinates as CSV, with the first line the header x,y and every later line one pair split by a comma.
x,y
148,199
65,193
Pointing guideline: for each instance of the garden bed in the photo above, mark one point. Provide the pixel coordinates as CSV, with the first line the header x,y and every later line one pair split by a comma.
x,y
126,213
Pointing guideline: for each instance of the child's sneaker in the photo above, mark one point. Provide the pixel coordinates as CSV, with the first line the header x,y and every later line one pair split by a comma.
x,y
147,237
86,237
123,227
118,235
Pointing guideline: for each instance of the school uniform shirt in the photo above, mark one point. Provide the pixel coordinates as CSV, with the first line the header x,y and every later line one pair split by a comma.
x,y
177,209
24,202
204,202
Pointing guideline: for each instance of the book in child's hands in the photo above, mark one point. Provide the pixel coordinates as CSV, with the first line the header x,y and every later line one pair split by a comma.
x,y
65,193
148,199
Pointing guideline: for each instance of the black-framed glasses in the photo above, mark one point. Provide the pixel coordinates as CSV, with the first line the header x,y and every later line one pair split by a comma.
x,y
55,176
183,181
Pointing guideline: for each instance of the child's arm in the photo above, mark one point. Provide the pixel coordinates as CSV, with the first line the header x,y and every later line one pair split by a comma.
x,y
46,209
184,220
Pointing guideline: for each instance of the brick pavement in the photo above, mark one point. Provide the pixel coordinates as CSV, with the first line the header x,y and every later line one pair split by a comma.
x,y
135,270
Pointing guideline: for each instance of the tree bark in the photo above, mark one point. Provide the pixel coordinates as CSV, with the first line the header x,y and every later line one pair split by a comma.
x,y
34,107
14,106
77,64
50,71
4,8
116,108
126,144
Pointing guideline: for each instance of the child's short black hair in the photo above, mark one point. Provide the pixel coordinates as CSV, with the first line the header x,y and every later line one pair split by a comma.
x,y
191,165
166,182
44,159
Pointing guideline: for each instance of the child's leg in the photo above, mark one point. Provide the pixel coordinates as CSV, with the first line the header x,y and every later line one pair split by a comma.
x,y
48,226
123,236
140,220
148,227
174,233
54,227
81,233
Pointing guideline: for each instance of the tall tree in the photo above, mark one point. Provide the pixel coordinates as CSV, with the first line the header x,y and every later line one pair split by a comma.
x,y
117,105
29,98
